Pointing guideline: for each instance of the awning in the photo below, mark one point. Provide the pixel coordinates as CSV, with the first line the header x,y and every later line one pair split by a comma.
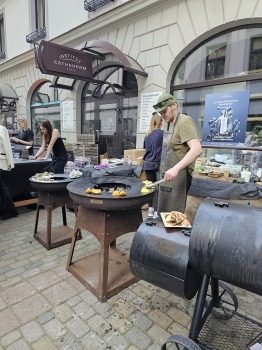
x,y
6,91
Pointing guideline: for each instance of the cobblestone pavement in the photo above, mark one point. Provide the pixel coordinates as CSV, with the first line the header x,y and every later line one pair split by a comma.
x,y
43,307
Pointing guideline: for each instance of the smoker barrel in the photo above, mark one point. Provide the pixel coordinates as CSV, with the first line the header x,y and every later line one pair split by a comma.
x,y
160,256
226,243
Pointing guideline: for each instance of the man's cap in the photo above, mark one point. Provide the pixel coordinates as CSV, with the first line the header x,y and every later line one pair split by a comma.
x,y
163,102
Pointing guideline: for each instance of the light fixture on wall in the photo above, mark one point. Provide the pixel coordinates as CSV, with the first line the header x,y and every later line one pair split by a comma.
x,y
92,5
12,106
38,34
4,106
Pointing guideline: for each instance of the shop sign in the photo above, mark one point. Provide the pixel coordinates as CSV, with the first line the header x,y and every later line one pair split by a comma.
x,y
63,61
225,118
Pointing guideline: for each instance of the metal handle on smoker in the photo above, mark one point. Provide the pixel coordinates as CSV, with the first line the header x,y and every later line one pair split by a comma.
x,y
97,135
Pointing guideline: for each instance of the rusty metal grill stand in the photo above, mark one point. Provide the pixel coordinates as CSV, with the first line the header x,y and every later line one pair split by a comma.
x,y
54,236
107,272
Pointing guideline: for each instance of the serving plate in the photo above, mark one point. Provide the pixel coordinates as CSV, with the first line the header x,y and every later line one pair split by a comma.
x,y
167,224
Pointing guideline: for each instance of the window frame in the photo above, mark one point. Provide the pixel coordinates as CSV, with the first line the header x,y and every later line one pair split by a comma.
x,y
181,90
39,13
2,33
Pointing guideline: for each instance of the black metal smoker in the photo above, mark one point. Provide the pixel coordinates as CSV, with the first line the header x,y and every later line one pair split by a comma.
x,y
225,245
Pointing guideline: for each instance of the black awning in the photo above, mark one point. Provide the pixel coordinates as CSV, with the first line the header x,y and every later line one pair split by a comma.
x,y
6,91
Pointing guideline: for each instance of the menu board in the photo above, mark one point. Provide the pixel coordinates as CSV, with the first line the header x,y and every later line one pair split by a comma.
x,y
68,120
147,101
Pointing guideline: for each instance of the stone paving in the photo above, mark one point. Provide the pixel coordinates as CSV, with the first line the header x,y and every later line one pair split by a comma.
x,y
43,307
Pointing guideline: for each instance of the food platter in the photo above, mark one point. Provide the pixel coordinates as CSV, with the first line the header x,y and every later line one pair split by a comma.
x,y
186,223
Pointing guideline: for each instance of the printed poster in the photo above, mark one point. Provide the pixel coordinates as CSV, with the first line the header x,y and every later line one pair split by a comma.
x,y
225,118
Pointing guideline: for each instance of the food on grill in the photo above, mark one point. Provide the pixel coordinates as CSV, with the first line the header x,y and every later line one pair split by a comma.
x,y
176,218
147,182
116,194
145,190
96,191
88,190
45,176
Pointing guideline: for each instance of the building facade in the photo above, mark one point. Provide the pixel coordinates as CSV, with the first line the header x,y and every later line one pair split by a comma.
x,y
139,48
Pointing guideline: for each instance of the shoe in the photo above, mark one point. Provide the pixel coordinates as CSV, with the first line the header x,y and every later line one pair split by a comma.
x,y
150,212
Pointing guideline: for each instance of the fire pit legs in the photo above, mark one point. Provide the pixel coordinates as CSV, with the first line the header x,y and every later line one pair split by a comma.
x,y
107,272
56,236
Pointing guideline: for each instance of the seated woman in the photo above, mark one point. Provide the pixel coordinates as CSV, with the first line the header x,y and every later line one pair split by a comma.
x,y
25,136
52,139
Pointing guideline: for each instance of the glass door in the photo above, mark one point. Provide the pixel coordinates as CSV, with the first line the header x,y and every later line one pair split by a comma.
x,y
108,128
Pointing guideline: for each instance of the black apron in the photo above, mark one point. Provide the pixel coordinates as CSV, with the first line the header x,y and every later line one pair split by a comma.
x,y
172,194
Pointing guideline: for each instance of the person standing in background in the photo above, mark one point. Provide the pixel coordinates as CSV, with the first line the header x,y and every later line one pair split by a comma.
x,y
152,158
7,208
25,136
52,139
181,147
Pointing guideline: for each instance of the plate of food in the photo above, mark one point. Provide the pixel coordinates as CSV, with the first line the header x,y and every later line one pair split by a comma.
x,y
215,174
175,219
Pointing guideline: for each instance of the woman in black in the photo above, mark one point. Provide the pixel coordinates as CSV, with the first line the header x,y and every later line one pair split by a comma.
x,y
25,136
52,139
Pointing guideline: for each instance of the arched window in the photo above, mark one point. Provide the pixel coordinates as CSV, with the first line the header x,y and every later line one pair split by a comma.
x,y
231,61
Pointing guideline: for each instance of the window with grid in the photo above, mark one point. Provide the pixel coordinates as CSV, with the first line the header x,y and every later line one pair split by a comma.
x,y
215,62
255,61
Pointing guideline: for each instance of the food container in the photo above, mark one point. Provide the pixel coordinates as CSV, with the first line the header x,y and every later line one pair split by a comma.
x,y
246,175
226,173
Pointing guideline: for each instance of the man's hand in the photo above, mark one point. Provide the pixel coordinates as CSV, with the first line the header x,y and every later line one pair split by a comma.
x,y
171,174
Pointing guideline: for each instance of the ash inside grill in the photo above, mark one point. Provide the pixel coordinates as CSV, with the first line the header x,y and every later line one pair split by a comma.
x,y
111,187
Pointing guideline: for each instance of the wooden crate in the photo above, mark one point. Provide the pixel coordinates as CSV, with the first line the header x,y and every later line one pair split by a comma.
x,y
81,149
86,138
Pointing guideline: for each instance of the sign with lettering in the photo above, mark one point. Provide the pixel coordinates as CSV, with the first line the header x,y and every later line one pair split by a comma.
x,y
64,61
225,118
147,101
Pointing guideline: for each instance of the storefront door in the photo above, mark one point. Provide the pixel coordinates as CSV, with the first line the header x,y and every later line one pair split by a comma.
x,y
108,128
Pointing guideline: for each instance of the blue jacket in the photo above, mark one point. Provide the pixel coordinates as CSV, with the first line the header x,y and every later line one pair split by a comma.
x,y
153,146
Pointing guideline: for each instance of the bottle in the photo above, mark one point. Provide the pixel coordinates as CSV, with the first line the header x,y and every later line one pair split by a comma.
x,y
223,125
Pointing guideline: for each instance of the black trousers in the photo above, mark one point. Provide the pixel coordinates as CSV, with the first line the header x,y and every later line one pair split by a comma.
x,y
152,175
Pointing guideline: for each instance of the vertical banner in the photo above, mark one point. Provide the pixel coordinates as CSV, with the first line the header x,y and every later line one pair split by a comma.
x,y
68,115
147,102
225,118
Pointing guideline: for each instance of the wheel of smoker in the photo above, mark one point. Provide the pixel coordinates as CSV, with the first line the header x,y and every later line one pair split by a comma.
x,y
180,342
228,303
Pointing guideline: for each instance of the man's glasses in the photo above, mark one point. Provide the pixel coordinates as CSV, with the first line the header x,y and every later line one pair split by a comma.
x,y
161,104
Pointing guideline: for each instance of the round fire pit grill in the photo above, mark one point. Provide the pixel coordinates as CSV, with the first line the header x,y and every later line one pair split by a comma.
x,y
106,272
52,194
57,182
104,200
